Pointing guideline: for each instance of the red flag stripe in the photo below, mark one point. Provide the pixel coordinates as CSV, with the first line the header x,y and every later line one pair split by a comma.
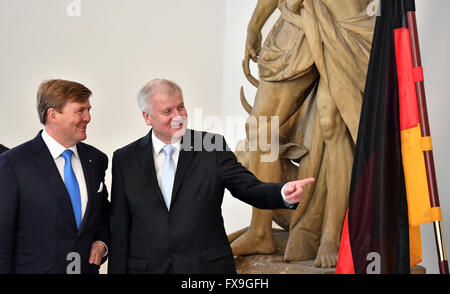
x,y
418,74
409,113
345,263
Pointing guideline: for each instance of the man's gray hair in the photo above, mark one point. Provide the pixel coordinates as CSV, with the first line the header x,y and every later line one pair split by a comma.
x,y
156,86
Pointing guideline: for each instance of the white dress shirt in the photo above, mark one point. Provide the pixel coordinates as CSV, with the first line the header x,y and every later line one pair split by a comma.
x,y
56,150
158,155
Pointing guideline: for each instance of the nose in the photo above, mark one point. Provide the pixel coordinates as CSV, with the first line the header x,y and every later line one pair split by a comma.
x,y
176,114
87,116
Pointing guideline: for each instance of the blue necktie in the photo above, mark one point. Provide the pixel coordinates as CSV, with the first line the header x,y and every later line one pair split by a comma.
x,y
168,174
72,186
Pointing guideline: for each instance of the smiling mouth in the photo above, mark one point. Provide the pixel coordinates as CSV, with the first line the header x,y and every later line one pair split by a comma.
x,y
177,122
176,125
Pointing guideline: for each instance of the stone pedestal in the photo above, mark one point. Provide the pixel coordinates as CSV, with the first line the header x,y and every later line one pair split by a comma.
x,y
274,264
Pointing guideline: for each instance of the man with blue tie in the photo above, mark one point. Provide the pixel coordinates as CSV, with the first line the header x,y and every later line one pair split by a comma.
x,y
167,191
54,212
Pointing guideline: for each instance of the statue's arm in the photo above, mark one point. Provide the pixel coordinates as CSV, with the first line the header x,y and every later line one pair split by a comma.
x,y
262,12
264,9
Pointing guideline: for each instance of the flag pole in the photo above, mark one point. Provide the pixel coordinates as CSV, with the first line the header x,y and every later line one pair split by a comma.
x,y
425,129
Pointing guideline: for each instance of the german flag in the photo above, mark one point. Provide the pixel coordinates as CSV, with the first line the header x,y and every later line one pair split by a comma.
x,y
389,196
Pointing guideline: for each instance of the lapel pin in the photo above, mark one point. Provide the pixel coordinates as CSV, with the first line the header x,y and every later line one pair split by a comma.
x,y
90,160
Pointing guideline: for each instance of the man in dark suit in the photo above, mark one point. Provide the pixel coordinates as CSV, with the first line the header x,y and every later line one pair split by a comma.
x,y
3,149
167,191
54,211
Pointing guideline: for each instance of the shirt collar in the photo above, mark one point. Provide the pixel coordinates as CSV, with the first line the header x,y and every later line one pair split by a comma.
x,y
54,147
158,145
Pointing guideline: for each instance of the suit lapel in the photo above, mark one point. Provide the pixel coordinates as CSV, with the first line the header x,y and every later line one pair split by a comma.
x,y
145,154
146,159
48,167
184,161
89,177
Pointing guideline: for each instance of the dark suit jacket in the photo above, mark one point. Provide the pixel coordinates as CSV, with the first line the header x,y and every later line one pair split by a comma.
x,y
190,238
37,224
3,149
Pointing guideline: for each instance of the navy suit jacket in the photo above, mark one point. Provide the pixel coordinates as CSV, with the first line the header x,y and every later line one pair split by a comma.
x,y
3,149
190,238
37,225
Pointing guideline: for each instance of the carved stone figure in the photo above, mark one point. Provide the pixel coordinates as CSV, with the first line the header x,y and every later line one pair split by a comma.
x,y
312,70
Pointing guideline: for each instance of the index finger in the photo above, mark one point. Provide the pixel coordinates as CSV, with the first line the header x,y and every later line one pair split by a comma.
x,y
306,181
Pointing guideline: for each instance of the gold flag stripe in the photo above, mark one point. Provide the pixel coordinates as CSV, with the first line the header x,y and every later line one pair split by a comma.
x,y
426,143
419,207
415,246
436,214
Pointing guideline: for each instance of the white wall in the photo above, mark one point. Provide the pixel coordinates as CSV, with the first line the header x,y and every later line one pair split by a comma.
x,y
435,43
114,47
236,213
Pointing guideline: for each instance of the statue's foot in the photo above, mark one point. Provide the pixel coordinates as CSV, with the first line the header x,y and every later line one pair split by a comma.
x,y
237,234
327,255
252,242
302,245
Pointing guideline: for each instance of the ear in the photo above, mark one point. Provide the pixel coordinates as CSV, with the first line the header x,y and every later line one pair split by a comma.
x,y
51,114
147,118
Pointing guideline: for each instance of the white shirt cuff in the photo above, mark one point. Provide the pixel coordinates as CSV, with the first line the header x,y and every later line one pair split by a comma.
x,y
286,202
106,247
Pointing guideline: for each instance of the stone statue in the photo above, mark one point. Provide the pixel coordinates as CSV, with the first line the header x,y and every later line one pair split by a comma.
x,y
312,70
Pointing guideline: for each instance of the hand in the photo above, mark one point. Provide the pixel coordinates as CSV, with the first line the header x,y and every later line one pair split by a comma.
x,y
97,251
294,190
253,44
